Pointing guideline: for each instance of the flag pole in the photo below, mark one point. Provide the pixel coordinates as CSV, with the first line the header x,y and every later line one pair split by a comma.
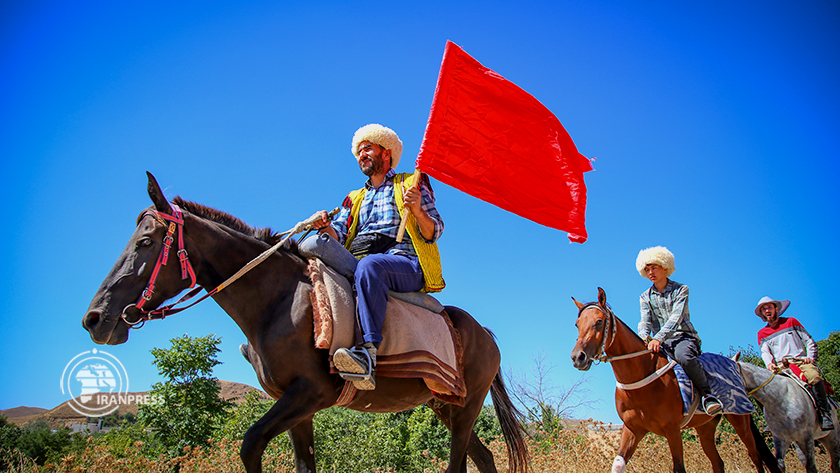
x,y
415,178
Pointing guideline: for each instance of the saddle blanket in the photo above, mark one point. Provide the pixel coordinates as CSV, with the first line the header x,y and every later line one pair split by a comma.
x,y
417,343
797,378
724,381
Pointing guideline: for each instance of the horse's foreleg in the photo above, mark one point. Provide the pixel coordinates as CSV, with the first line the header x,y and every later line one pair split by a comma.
x,y
781,446
706,432
805,450
303,443
629,441
297,405
674,439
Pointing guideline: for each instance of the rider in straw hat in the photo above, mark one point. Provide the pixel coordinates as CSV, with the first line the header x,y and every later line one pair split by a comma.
x,y
664,308
784,342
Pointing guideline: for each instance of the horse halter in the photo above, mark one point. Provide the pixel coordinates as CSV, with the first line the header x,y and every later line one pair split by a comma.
x,y
176,222
609,328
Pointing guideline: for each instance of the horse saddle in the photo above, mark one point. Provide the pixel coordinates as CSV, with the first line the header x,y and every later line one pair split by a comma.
x,y
790,373
419,340
724,381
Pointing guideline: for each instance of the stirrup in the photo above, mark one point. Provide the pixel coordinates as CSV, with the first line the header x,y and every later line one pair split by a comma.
x,y
362,353
825,422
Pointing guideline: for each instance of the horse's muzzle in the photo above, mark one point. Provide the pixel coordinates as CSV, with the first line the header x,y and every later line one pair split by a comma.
x,y
101,332
581,360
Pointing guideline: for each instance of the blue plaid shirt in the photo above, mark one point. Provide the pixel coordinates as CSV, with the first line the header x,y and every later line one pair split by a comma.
x,y
665,314
379,214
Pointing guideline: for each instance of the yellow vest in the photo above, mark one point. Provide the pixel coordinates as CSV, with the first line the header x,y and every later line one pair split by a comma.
x,y
426,252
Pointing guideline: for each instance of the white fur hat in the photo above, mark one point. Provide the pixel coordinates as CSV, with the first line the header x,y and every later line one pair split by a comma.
x,y
382,136
781,306
656,255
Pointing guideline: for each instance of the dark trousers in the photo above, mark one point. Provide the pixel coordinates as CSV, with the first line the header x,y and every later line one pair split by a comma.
x,y
685,350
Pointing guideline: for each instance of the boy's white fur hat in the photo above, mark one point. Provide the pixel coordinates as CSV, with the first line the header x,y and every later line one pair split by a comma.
x,y
382,136
656,255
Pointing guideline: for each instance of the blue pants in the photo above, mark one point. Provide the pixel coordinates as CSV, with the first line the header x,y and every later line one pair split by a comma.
x,y
374,275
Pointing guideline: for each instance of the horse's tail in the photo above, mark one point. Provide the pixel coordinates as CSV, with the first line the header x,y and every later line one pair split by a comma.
x,y
766,455
509,419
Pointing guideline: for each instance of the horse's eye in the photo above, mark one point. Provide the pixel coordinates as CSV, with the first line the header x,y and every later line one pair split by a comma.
x,y
144,242
599,322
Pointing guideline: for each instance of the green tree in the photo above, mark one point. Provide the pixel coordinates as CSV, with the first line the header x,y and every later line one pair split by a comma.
x,y
186,408
828,360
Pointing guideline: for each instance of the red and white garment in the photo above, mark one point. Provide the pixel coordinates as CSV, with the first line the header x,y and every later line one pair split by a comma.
x,y
788,339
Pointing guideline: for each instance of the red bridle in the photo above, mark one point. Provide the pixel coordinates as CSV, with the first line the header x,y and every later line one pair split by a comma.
x,y
176,222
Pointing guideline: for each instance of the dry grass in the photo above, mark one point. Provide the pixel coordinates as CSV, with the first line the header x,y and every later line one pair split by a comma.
x,y
572,450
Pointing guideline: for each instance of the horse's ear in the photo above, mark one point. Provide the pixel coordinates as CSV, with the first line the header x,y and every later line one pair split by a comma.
x,y
602,297
161,204
578,304
736,356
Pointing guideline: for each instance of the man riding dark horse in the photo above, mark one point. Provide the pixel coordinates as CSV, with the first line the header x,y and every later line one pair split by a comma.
x,y
361,242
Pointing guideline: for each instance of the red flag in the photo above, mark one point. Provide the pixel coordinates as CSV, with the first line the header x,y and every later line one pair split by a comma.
x,y
494,141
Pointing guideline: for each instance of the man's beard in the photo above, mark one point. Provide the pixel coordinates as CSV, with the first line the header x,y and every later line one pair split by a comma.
x,y
376,165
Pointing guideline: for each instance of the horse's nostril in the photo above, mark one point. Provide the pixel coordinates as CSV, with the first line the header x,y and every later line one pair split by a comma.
x,y
90,319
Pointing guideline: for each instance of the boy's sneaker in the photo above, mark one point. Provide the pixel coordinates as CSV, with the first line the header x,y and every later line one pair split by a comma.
x,y
711,405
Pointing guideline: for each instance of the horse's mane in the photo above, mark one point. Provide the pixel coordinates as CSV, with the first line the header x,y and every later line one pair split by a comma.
x,y
266,235
633,332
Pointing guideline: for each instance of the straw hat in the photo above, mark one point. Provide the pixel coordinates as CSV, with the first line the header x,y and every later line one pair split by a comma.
x,y
781,306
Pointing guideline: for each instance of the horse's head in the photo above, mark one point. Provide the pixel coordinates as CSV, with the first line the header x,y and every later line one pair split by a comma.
x,y
125,286
593,324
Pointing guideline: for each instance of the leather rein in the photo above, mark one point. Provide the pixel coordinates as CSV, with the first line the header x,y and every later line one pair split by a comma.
x,y
176,223
610,327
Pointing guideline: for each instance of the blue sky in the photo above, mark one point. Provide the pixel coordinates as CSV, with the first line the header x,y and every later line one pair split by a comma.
x,y
714,127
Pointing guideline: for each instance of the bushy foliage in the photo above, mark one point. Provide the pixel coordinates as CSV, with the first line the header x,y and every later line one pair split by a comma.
x,y
37,442
828,352
186,408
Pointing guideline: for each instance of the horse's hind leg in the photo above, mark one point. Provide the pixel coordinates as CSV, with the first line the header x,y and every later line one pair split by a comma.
x,y
831,442
462,420
476,450
741,424
706,432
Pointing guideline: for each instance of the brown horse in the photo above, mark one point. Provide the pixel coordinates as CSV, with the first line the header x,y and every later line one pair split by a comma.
x,y
656,406
271,304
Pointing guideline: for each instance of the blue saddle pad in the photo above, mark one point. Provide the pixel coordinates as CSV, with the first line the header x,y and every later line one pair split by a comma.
x,y
724,381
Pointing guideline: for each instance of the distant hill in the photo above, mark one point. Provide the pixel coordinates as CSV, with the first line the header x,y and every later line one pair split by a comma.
x,y
64,415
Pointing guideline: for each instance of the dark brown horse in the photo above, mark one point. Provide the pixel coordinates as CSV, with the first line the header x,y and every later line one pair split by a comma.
x,y
655,406
271,304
